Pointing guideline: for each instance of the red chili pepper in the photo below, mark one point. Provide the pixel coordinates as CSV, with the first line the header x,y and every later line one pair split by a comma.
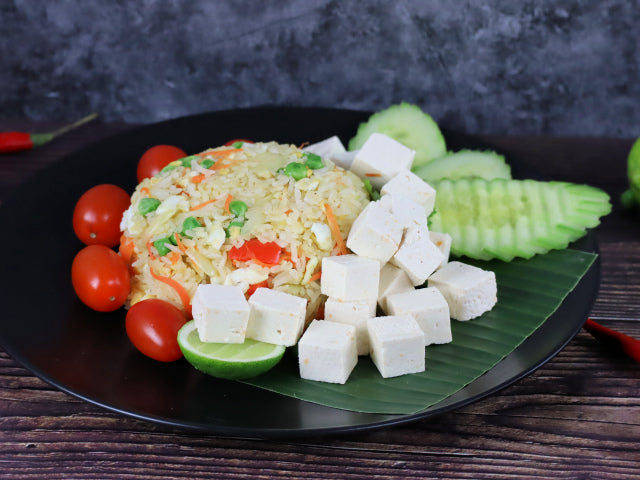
x,y
628,344
11,142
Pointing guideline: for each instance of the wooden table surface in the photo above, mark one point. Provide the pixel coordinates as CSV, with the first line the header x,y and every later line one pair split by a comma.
x,y
578,416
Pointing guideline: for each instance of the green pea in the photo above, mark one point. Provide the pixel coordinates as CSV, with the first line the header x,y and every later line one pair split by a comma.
x,y
237,144
161,246
296,170
168,168
207,163
238,208
186,161
189,224
148,205
234,224
314,162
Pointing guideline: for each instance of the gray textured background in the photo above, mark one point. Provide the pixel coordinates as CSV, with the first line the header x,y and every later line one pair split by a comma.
x,y
504,67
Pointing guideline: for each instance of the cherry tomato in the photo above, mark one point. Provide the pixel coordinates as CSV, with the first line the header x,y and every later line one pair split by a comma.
x,y
235,140
100,278
97,215
152,326
156,158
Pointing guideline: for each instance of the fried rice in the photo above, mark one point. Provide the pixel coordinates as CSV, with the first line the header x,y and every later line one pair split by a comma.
x,y
169,262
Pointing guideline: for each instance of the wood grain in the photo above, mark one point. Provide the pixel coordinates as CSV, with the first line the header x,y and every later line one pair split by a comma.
x,y
580,413
578,416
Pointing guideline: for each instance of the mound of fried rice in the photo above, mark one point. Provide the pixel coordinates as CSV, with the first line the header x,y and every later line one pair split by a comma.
x,y
292,213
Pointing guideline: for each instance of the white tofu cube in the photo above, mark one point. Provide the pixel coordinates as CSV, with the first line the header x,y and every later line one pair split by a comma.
x,y
327,351
417,255
443,242
470,291
397,345
352,313
429,308
344,160
350,278
407,212
221,313
410,185
375,233
326,148
381,158
392,280
276,317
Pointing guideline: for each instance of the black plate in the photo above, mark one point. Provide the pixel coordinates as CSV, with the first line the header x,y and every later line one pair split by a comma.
x,y
88,355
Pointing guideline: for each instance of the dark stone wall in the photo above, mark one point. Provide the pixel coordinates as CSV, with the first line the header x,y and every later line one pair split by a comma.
x,y
505,67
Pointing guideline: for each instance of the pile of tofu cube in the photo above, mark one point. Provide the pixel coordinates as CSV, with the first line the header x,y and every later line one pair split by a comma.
x,y
393,253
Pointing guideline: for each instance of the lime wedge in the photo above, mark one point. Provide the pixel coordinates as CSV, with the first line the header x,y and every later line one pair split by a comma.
x,y
228,360
633,170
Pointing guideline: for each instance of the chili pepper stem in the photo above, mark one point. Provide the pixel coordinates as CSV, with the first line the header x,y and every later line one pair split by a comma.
x,y
40,139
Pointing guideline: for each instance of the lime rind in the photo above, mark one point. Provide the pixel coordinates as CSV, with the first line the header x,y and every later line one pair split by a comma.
x,y
233,361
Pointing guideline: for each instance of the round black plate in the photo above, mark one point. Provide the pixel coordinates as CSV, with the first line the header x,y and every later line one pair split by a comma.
x,y
87,354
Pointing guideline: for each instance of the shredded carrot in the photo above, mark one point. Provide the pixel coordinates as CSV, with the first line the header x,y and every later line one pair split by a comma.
x,y
145,190
261,263
227,202
315,276
126,249
302,145
219,165
335,230
219,153
288,212
181,245
180,290
285,256
149,245
174,257
372,174
202,205
197,178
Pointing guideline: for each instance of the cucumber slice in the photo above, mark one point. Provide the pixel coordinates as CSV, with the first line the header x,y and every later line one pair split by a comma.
x,y
505,219
465,163
409,125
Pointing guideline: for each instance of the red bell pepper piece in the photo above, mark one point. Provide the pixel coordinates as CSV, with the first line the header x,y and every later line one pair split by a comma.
x,y
254,249
252,288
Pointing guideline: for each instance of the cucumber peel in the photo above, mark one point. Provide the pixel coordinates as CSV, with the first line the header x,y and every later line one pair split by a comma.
x,y
465,163
505,219
409,125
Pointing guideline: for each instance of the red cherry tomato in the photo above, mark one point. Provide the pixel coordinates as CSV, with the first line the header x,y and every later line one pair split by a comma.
x,y
97,215
156,158
231,142
152,326
100,278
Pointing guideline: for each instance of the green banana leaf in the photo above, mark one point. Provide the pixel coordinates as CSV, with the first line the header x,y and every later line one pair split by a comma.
x,y
529,291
